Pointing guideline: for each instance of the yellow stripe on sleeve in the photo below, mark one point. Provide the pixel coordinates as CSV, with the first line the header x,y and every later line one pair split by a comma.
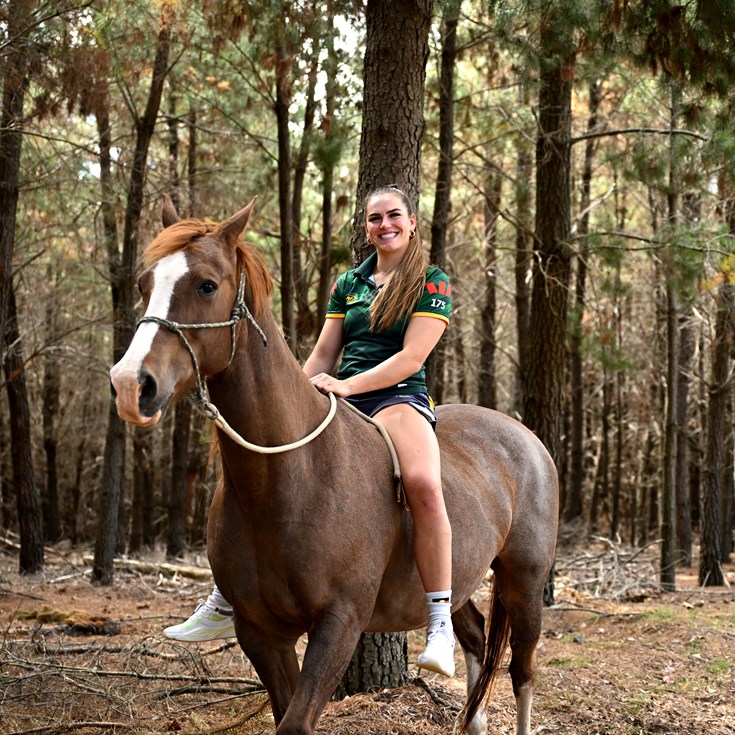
x,y
430,314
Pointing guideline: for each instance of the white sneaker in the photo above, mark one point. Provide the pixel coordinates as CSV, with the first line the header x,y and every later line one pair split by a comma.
x,y
438,655
206,624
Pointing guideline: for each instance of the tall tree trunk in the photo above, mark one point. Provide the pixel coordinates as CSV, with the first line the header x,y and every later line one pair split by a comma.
x,y
619,379
6,486
710,566
487,388
30,517
617,488
683,506
390,141
728,483
15,83
544,379
390,153
573,501
442,197
305,321
330,153
191,163
283,102
50,411
600,501
671,430
179,443
122,279
522,268
177,510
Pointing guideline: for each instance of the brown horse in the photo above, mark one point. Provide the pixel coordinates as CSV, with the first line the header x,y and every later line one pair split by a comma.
x,y
311,540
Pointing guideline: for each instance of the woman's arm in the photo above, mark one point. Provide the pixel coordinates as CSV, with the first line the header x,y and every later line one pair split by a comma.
x,y
421,337
327,348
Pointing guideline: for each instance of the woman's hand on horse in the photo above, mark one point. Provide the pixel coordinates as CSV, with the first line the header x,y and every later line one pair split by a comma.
x,y
328,384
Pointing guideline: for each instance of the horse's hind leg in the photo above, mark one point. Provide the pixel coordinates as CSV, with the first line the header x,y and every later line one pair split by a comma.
x,y
469,627
521,592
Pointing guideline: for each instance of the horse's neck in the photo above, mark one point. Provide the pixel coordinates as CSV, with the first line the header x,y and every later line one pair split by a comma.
x,y
264,395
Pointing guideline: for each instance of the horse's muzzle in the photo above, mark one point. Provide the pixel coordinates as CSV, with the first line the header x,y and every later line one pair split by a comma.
x,y
136,397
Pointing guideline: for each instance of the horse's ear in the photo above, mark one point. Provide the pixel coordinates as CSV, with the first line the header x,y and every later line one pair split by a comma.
x,y
233,227
169,215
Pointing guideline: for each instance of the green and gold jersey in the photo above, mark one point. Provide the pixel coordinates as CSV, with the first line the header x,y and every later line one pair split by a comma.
x,y
350,300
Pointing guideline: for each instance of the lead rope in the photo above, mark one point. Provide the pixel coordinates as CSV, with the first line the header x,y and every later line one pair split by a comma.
x,y
397,479
212,413
240,310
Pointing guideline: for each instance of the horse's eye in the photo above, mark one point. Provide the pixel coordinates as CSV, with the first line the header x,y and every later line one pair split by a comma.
x,y
207,288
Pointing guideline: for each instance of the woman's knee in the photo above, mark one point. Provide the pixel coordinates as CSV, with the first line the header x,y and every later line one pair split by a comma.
x,y
424,494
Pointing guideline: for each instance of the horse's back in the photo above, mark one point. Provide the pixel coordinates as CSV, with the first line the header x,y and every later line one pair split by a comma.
x,y
498,478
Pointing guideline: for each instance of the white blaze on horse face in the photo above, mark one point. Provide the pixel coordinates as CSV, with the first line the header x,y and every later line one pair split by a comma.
x,y
166,274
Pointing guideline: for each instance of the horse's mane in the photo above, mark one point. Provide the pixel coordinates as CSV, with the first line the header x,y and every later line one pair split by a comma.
x,y
179,235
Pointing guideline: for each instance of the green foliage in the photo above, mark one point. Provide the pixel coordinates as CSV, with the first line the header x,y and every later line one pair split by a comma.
x,y
691,42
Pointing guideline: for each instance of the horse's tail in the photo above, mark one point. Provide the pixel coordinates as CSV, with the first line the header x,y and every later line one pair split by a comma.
x,y
496,641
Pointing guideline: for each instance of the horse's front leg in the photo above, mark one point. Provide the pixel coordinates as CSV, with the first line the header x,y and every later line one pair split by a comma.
x,y
276,663
331,644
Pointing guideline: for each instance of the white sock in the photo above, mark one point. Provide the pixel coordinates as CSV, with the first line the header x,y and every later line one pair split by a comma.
x,y
216,599
440,608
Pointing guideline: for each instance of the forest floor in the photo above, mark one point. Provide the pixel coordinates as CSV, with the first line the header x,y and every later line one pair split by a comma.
x,y
617,657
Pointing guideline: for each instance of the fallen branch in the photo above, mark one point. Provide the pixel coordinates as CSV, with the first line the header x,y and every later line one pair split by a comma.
x,y
145,567
69,726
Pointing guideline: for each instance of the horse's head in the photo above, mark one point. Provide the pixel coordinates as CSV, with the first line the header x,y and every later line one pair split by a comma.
x,y
197,281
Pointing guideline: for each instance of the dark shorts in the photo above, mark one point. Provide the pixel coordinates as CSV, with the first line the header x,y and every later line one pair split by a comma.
x,y
420,401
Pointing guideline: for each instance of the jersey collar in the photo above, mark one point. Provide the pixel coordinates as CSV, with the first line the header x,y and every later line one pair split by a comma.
x,y
365,270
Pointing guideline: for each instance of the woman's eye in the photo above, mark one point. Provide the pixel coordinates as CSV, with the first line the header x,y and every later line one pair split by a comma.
x,y
207,288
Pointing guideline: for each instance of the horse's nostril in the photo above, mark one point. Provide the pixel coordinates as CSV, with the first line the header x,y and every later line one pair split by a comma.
x,y
148,390
113,392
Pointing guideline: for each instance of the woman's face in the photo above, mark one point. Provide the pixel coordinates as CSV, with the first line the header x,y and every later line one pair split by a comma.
x,y
387,223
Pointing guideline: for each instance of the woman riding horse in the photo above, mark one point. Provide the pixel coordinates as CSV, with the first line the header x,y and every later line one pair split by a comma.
x,y
385,318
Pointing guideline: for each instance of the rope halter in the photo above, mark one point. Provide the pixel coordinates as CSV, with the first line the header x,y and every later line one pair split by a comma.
x,y
239,311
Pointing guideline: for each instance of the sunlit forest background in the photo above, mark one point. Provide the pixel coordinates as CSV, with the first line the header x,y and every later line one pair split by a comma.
x,y
109,105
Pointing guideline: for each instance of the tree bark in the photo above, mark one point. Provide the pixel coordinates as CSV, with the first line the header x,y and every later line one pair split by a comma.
x,y
671,431
523,265
390,141
122,280
30,516
50,411
283,101
305,322
710,567
487,393
683,506
177,510
544,379
574,505
442,197
728,484
377,663
329,156
15,82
